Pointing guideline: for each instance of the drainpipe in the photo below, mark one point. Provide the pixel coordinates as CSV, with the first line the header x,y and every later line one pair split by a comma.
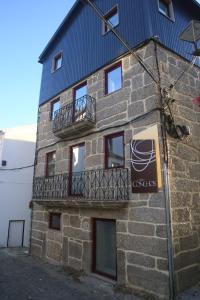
x,y
166,188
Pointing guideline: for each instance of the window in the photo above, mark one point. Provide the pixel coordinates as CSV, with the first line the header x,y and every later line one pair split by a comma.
x,y
104,248
80,102
114,150
57,62
112,17
50,163
55,105
54,221
166,8
113,78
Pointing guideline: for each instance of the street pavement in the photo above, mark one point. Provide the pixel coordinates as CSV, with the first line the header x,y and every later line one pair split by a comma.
x,y
23,277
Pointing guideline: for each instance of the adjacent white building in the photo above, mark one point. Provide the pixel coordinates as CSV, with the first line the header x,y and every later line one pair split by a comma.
x,y
17,151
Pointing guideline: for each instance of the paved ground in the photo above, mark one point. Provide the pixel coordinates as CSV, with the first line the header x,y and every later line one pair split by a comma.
x,y
23,277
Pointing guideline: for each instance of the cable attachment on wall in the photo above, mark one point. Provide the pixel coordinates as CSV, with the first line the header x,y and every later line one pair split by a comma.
x,y
175,131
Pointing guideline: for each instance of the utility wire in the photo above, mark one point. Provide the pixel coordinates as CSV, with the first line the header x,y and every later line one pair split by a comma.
x,y
146,67
20,168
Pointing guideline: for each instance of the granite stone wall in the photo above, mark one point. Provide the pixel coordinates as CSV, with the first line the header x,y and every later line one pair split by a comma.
x,y
141,225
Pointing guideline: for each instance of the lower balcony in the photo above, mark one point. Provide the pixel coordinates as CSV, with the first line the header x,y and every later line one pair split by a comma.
x,y
74,118
99,188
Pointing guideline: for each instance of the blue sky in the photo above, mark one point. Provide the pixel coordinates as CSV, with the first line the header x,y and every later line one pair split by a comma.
x,y
25,28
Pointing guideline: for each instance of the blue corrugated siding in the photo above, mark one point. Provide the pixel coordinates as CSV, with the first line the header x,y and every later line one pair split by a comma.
x,y
85,49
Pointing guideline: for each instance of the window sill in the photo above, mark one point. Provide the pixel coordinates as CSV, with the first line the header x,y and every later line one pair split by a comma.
x,y
172,19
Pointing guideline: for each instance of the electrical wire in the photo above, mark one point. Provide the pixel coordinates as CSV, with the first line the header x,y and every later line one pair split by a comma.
x,y
146,67
20,168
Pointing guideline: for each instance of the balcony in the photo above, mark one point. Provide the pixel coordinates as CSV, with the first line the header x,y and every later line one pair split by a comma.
x,y
75,117
89,188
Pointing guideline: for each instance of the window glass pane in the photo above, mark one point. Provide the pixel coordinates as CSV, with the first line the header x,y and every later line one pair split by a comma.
x,y
51,158
78,159
164,7
114,20
55,221
115,152
106,247
80,92
114,79
55,107
57,62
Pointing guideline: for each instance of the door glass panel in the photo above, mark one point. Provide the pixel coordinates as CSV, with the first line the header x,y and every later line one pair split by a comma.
x,y
78,167
105,252
80,103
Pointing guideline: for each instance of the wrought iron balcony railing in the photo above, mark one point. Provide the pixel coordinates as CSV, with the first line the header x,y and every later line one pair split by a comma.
x,y
94,185
80,114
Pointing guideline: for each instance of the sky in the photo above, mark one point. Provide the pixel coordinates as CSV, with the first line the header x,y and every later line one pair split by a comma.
x,y
25,28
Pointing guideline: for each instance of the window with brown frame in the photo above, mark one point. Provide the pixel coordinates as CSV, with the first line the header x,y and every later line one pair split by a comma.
x,y
54,220
166,8
50,163
112,17
114,150
55,105
57,62
113,78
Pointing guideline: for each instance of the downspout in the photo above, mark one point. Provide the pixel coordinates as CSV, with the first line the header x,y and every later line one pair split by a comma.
x,y
166,187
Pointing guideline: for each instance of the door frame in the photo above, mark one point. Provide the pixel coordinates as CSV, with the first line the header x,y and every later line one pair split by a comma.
x,y
23,221
71,167
94,270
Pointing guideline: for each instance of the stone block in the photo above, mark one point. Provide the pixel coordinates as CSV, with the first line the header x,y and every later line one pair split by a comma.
x,y
121,267
76,233
121,226
180,215
146,245
181,230
180,199
157,200
54,250
117,214
36,250
138,81
188,277
75,264
38,234
140,259
161,231
162,264
111,120
135,109
87,257
42,226
65,250
65,219
75,249
86,224
114,110
151,280
189,242
141,228
194,171
147,214
186,259
75,221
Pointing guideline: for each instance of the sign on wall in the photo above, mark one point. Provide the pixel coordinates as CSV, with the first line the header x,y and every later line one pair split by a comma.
x,y
143,166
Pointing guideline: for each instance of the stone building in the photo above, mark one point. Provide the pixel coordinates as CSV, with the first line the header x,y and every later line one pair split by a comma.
x,y
105,116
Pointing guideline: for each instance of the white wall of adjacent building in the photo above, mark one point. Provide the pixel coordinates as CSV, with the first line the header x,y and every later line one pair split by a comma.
x,y
17,148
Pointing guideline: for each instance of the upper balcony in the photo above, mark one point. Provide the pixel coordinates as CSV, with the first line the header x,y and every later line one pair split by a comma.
x,y
75,117
99,187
